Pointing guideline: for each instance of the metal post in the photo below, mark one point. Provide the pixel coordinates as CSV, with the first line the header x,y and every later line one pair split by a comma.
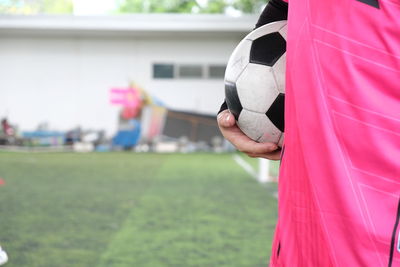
x,y
263,171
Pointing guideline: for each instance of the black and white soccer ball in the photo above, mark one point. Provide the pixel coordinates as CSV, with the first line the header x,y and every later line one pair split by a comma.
x,y
255,83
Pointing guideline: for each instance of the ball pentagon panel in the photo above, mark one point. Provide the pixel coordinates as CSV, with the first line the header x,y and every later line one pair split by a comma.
x,y
232,99
268,49
276,112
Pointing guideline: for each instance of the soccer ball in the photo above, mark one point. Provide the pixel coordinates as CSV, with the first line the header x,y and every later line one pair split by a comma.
x,y
255,83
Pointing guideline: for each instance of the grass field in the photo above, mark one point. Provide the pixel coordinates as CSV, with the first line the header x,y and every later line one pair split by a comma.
x,y
126,209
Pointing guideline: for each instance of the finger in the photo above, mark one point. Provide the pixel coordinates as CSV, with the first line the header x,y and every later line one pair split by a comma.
x,y
247,145
243,143
276,155
226,119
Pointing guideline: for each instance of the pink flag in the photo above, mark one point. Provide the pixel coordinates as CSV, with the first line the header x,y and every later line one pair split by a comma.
x,y
126,97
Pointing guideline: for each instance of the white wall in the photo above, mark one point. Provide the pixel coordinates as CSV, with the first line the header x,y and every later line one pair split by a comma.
x,y
66,80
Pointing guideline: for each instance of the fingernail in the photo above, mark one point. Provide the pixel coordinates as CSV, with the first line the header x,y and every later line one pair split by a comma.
x,y
227,117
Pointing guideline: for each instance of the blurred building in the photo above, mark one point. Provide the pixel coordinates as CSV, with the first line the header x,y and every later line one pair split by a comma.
x,y
60,68
196,127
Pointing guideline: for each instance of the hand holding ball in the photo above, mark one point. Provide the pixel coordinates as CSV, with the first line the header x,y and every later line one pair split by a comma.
x,y
255,83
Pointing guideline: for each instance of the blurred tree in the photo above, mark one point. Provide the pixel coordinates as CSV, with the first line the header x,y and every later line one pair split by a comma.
x,y
157,6
57,6
249,6
215,6
189,6
36,6
135,6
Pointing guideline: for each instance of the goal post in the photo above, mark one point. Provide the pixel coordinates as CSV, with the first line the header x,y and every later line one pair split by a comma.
x,y
260,171
263,170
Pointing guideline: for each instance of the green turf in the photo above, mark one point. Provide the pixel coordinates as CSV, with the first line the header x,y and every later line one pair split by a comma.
x,y
126,209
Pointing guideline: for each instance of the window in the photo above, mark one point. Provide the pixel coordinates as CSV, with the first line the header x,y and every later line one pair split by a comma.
x,y
163,71
190,71
216,71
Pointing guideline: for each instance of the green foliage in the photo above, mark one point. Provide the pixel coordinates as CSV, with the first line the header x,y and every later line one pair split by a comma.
x,y
215,6
57,7
36,7
249,6
188,6
126,209
157,6
134,6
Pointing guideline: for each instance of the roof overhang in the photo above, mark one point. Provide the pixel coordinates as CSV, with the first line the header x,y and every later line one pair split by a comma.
x,y
127,25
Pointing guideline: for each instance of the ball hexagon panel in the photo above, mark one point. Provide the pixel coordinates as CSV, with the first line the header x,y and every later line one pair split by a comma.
x,y
258,127
256,88
279,71
238,61
280,142
272,135
267,49
266,29
232,99
283,31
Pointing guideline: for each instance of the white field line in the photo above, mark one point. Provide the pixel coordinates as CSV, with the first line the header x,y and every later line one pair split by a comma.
x,y
246,166
36,149
250,170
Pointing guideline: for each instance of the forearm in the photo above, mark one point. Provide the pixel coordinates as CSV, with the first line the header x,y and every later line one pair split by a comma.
x,y
275,10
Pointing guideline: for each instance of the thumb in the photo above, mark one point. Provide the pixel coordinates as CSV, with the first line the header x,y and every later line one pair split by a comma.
x,y
226,119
